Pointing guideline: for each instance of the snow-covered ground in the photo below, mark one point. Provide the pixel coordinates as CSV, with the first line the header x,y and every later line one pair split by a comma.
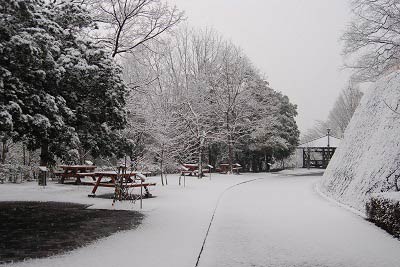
x,y
283,221
277,220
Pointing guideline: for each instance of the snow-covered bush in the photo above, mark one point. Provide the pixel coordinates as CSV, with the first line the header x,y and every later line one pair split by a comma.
x,y
15,173
384,211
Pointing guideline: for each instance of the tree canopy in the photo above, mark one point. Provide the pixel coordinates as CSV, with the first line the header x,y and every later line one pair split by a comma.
x,y
372,38
56,85
193,96
215,103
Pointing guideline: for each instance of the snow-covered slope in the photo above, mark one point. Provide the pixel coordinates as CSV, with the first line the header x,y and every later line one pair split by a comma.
x,y
370,148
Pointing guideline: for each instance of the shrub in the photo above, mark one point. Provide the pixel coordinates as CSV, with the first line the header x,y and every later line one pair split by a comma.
x,y
384,211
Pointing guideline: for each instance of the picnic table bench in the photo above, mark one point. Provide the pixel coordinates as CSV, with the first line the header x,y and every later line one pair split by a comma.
x,y
189,169
74,171
193,169
224,168
129,180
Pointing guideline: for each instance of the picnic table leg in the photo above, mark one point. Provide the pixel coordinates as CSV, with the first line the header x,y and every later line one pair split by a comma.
x,y
63,176
147,192
78,179
95,186
141,193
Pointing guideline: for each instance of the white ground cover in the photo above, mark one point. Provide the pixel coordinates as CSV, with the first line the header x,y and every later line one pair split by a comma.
x,y
282,221
389,195
279,220
170,235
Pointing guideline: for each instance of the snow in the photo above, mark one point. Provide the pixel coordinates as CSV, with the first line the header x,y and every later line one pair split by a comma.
x,y
274,220
6,119
172,231
322,142
281,221
370,149
41,121
395,196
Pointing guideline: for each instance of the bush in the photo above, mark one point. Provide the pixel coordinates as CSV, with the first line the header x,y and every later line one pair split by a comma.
x,y
384,211
15,173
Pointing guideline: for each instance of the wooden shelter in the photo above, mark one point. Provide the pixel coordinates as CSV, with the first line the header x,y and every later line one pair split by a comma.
x,y
317,153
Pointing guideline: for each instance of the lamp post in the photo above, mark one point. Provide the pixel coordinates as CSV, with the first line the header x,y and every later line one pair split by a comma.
x,y
328,134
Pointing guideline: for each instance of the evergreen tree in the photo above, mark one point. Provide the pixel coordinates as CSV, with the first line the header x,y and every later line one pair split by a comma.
x,y
59,91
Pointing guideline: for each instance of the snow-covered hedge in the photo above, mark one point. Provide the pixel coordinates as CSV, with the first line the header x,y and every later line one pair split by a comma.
x,y
384,211
368,157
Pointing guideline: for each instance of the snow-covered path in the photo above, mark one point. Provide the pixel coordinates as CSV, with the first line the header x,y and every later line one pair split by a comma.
x,y
282,221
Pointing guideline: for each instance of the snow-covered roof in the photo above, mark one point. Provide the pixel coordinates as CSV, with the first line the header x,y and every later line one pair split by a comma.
x,y
322,142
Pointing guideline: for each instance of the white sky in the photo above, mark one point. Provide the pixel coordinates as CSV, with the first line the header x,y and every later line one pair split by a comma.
x,y
295,43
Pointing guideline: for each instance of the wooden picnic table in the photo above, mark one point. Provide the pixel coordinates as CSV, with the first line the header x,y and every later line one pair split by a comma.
x,y
129,180
192,169
224,168
73,171
189,168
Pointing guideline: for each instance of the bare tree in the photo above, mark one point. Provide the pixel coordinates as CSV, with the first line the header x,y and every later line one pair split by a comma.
x,y
339,116
231,93
201,90
344,108
195,60
126,25
372,38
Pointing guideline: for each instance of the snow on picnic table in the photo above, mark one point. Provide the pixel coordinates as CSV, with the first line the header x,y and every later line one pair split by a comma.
x,y
276,221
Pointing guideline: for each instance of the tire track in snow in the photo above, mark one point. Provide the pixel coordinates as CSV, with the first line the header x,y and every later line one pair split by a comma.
x,y
215,210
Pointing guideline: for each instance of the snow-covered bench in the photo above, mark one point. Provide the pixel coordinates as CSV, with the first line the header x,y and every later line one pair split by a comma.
x,y
224,168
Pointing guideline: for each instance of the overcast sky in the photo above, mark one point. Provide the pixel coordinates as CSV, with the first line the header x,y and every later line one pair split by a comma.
x,y
295,43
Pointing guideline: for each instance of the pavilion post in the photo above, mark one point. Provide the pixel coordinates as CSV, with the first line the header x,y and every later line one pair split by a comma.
x,y
328,134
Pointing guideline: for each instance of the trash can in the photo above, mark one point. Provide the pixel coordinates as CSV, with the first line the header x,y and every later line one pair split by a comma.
x,y
42,179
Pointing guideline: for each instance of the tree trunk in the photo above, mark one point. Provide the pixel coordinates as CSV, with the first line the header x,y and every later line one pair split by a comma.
x,y
200,163
81,155
259,163
44,154
162,167
230,155
24,154
3,151
230,150
266,162
30,157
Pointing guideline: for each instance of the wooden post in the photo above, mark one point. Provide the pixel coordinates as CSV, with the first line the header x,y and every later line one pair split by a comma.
x,y
141,193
